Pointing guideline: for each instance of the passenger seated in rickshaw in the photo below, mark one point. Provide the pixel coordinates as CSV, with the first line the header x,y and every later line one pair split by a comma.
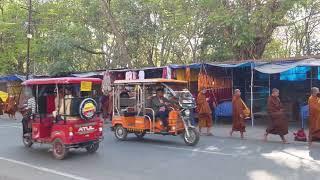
x,y
160,106
64,105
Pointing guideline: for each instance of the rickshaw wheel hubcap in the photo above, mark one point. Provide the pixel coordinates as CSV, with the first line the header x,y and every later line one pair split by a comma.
x,y
120,132
58,148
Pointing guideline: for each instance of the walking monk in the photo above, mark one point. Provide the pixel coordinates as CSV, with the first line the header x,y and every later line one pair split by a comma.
x,y
278,122
205,113
314,116
239,113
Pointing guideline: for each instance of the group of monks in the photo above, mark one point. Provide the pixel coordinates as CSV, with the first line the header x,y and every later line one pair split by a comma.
x,y
278,122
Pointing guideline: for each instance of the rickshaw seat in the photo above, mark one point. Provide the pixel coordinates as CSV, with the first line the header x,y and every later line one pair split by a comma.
x,y
127,102
129,114
50,104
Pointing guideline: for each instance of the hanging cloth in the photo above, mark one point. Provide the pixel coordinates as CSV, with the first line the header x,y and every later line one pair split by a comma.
x,y
106,82
164,73
204,80
188,74
141,75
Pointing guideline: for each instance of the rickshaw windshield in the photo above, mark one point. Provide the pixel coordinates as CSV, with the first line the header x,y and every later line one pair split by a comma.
x,y
181,93
174,89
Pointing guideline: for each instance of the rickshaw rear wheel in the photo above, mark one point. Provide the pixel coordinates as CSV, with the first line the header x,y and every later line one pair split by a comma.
x,y
92,148
59,150
140,135
193,137
120,132
27,142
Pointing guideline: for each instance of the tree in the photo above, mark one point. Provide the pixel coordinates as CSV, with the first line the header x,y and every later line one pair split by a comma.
x,y
241,29
82,35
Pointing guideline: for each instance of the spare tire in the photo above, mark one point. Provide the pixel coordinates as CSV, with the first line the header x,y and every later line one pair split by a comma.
x,y
88,108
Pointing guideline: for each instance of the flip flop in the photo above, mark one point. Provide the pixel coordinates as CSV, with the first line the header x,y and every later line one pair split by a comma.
x,y
209,134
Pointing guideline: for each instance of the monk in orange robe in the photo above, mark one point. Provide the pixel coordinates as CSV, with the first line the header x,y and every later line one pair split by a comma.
x,y
278,122
314,115
1,106
238,115
205,113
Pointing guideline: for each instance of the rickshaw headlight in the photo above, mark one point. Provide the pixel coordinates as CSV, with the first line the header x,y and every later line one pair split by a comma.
x,y
100,129
70,133
187,112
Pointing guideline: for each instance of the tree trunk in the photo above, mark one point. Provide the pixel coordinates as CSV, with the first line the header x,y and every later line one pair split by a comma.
x,y
121,40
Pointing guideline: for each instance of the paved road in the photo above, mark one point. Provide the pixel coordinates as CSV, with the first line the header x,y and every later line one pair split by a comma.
x,y
158,158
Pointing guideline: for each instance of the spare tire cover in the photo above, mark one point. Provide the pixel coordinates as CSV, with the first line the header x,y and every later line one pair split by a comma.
x,y
88,108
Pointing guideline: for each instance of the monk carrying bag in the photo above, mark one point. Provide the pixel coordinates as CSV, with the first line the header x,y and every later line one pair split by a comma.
x,y
246,111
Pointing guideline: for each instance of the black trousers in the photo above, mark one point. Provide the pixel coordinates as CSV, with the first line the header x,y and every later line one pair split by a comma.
x,y
25,121
163,115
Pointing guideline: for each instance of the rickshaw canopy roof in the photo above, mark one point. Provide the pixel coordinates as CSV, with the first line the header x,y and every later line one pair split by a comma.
x,y
64,80
149,81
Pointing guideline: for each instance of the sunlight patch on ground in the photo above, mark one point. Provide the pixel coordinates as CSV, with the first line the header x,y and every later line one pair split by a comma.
x,y
261,175
212,148
241,147
294,159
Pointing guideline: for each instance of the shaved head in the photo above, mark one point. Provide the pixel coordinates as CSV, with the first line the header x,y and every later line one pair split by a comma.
x,y
275,90
314,91
237,92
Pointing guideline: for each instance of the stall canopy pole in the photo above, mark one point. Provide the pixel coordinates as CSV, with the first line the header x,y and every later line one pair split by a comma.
x,y
311,76
269,85
251,99
232,82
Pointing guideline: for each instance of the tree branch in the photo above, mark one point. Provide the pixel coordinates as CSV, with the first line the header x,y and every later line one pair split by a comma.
x,y
88,50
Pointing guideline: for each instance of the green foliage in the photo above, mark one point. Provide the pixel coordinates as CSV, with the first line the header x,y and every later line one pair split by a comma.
x,y
78,35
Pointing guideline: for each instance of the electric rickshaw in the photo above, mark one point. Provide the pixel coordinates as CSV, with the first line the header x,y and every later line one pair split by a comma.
x,y
134,113
66,114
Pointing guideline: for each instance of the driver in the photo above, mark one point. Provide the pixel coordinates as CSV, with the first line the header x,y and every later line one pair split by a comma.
x,y
160,106
29,109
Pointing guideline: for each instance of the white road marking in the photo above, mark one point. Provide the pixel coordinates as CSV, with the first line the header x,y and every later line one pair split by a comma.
x,y
198,150
71,176
10,126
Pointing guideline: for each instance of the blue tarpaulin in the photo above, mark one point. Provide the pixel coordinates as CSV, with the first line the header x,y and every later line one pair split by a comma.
x,y
192,66
12,78
221,65
295,74
283,66
231,65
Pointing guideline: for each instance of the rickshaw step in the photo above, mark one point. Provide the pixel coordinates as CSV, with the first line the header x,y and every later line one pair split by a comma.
x,y
164,133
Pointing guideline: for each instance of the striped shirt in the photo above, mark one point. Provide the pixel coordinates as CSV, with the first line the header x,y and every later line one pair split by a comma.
x,y
31,104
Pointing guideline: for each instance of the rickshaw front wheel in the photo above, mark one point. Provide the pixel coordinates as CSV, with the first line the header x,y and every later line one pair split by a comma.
x,y
193,137
121,133
92,148
140,135
59,150
27,142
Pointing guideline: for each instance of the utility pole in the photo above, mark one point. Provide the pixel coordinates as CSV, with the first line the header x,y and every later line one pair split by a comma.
x,y
29,36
